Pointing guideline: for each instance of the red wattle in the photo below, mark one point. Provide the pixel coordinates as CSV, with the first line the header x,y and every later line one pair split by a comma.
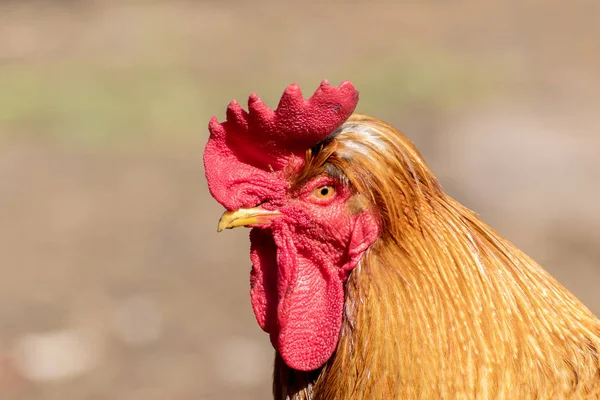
x,y
297,286
298,302
310,316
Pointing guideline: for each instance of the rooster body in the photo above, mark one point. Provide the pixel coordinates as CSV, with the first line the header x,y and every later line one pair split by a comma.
x,y
406,293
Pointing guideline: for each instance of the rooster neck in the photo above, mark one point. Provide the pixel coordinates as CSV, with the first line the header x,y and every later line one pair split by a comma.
x,y
452,310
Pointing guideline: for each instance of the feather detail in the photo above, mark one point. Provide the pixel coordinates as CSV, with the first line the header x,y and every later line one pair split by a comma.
x,y
441,306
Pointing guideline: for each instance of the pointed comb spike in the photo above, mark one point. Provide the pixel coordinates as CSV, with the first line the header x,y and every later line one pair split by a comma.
x,y
323,87
235,114
346,84
258,110
345,91
292,100
215,128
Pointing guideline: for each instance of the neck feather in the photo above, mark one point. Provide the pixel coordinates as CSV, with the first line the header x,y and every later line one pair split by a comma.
x,y
446,308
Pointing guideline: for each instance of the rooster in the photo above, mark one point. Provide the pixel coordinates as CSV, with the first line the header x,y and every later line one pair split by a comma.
x,y
373,283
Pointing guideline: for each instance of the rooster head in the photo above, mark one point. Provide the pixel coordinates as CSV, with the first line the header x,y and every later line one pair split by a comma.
x,y
309,226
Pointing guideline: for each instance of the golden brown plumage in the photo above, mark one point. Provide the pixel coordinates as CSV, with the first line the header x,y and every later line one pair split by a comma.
x,y
440,306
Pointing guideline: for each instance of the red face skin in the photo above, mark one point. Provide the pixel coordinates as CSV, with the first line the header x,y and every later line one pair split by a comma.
x,y
300,263
302,258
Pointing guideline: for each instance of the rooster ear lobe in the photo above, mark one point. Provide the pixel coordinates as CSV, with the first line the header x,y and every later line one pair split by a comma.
x,y
364,234
356,204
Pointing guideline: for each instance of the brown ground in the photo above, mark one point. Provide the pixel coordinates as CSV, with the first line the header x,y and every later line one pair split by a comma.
x,y
107,230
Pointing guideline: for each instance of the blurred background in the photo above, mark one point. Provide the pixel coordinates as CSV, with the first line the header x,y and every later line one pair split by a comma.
x,y
114,283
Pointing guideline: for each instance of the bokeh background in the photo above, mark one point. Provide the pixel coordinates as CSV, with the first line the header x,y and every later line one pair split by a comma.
x,y
113,281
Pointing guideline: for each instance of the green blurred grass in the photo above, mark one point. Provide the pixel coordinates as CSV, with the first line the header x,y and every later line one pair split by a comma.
x,y
94,104
438,80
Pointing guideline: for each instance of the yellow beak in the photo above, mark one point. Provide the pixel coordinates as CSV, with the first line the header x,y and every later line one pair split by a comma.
x,y
245,217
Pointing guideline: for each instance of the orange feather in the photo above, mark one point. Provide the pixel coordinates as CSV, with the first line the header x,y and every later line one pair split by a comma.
x,y
441,306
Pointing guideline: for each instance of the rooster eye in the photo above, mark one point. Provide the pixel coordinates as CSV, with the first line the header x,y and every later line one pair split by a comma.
x,y
324,192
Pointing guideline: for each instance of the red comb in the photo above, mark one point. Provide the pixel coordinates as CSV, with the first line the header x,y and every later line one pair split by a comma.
x,y
245,155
